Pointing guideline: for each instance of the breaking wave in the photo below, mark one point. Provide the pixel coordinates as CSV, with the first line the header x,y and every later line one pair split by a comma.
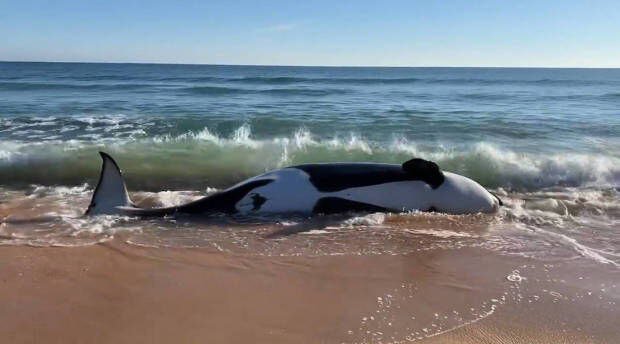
x,y
203,157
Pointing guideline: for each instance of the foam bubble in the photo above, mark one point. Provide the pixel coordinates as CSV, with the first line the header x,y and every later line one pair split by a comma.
x,y
374,219
514,276
440,233
167,198
41,190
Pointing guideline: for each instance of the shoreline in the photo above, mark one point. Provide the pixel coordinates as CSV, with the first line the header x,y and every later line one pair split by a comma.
x,y
115,292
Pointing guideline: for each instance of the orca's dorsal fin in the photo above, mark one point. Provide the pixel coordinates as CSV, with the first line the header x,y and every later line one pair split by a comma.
x,y
110,192
424,170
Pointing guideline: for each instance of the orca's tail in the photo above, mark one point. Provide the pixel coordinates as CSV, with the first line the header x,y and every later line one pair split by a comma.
x,y
110,193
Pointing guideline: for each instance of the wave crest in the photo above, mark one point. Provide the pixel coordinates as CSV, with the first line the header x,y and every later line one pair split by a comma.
x,y
198,158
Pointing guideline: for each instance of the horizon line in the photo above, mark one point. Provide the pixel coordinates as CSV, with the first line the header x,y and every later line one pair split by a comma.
x,y
300,65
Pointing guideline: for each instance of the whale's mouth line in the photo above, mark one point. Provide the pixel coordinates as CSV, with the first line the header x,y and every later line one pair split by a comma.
x,y
498,199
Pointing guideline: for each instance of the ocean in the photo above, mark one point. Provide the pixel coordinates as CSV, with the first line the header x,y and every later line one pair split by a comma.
x,y
193,126
550,138
546,141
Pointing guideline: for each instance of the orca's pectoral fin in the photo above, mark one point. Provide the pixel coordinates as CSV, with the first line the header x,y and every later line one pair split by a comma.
x,y
110,192
424,170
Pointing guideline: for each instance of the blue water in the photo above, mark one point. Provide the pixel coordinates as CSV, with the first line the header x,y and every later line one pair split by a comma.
x,y
547,141
185,126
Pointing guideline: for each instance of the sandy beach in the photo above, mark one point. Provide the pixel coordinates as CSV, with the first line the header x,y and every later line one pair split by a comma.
x,y
116,293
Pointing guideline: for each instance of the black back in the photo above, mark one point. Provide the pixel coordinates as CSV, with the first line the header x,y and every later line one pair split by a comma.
x,y
334,205
339,176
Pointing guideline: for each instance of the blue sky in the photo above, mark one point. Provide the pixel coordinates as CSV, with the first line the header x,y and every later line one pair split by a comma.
x,y
549,33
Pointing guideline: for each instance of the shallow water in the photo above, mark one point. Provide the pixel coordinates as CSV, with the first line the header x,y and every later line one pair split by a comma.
x,y
550,225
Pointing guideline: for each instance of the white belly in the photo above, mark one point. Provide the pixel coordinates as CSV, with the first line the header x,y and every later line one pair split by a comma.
x,y
397,196
293,192
290,192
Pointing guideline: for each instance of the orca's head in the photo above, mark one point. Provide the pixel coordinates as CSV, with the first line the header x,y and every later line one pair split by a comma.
x,y
461,195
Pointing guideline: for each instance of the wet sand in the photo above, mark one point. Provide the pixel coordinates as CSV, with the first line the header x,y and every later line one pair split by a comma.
x,y
117,293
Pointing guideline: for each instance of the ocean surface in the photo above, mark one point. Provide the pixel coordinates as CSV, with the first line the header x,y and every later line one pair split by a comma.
x,y
545,140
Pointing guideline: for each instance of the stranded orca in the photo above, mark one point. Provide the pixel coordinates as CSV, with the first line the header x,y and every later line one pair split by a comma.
x,y
316,189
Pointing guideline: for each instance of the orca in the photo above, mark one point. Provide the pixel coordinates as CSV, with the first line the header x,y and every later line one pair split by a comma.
x,y
322,188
